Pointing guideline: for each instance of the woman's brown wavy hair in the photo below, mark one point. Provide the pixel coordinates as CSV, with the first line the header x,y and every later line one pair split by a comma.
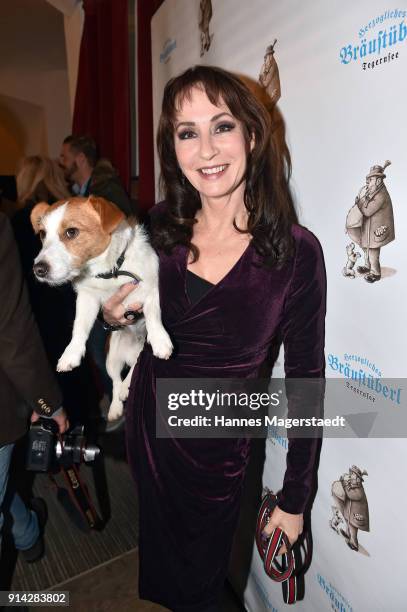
x,y
40,178
267,196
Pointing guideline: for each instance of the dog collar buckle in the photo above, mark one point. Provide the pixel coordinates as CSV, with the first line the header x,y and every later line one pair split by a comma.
x,y
116,272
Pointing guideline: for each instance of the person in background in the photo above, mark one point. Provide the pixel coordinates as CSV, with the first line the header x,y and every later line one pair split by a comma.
x,y
39,179
7,206
27,383
8,195
90,175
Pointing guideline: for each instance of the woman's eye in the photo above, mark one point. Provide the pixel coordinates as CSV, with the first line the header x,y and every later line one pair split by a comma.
x,y
71,232
225,127
186,134
41,234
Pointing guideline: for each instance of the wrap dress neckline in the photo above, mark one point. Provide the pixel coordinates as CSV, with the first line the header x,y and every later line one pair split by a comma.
x,y
184,252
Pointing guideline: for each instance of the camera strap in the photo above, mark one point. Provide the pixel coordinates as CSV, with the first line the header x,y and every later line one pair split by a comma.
x,y
78,493
80,496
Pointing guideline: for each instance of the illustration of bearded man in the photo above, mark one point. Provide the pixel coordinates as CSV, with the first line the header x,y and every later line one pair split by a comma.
x,y
370,221
351,502
269,77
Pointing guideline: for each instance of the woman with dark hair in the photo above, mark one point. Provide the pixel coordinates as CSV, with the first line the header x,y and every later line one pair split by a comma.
x,y
237,275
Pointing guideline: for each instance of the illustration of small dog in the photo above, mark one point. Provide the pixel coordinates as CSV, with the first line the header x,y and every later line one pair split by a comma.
x,y
89,242
336,519
352,258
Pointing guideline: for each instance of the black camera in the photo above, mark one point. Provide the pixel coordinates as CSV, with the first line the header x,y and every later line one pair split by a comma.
x,y
46,453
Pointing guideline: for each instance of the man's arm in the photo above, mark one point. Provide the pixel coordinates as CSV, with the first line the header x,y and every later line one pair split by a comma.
x,y
369,207
22,355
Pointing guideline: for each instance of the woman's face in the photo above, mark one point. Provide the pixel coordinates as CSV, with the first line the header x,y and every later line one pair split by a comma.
x,y
210,145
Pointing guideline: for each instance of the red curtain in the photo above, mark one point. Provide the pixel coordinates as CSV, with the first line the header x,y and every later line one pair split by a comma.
x,y
145,11
102,101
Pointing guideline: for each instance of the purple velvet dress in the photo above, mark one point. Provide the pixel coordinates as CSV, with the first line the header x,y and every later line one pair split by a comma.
x,y
190,489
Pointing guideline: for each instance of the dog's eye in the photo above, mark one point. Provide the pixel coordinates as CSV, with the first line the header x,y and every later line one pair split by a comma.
x,y
41,234
71,232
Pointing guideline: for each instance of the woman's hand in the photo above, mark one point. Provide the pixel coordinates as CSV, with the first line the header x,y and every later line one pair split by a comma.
x,y
291,524
114,309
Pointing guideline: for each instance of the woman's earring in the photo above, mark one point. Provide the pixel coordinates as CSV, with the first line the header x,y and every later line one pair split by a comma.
x,y
183,179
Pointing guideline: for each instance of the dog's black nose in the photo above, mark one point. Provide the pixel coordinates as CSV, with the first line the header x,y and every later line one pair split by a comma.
x,y
41,269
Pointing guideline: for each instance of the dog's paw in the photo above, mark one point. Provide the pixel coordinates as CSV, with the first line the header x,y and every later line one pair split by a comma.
x,y
124,391
115,410
161,344
69,360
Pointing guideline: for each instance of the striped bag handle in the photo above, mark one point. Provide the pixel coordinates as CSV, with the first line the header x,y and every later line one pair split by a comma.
x,y
294,587
269,547
290,572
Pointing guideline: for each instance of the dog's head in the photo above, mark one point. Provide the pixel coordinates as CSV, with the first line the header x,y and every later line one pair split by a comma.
x,y
72,232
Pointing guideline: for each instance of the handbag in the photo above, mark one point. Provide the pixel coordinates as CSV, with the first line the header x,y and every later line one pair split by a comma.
x,y
294,563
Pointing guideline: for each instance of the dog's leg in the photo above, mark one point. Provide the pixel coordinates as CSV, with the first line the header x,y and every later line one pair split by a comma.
x,y
114,367
125,386
87,308
131,345
156,334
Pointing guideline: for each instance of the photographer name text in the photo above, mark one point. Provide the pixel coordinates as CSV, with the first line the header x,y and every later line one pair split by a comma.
x,y
266,421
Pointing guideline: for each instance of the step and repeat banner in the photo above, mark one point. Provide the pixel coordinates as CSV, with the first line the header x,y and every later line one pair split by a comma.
x,y
342,67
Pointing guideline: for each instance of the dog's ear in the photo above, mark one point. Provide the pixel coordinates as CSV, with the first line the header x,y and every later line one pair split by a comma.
x,y
37,214
110,215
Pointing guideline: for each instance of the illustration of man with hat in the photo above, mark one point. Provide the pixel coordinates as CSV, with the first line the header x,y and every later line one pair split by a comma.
x,y
351,502
269,77
370,221
205,15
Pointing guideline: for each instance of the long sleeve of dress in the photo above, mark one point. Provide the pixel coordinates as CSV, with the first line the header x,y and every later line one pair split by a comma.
x,y
303,334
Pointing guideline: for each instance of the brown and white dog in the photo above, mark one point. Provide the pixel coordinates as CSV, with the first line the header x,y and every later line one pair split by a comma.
x,y
86,237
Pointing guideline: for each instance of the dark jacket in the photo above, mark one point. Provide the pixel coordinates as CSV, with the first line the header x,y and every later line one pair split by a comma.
x,y
105,183
26,379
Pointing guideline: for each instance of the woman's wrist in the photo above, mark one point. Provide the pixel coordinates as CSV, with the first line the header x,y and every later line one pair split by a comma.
x,y
292,499
106,326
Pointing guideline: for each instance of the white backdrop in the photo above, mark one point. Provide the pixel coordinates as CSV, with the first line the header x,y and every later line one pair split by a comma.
x,y
341,119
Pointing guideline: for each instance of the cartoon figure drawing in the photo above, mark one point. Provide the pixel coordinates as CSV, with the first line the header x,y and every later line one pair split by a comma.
x,y
370,221
350,506
269,77
352,258
336,520
205,15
